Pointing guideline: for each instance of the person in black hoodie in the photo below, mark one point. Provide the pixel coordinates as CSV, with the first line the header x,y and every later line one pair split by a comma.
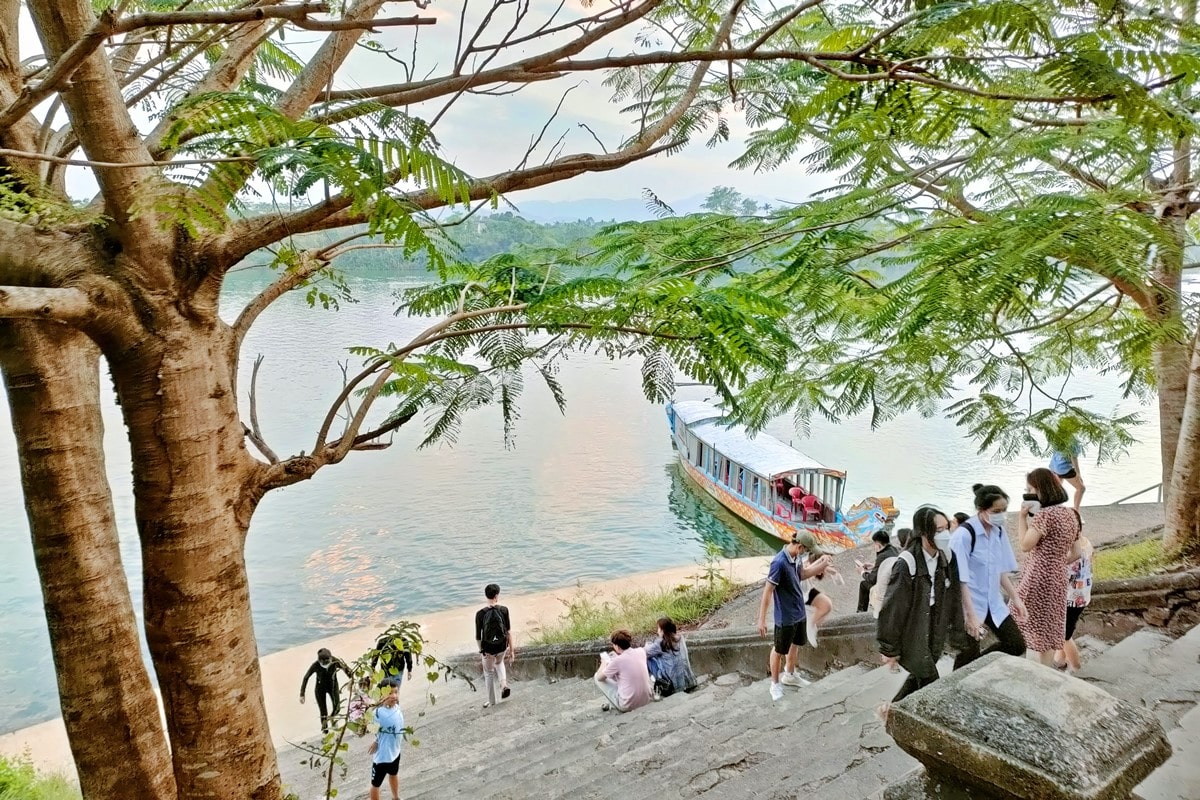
x,y
396,658
325,669
922,608
870,572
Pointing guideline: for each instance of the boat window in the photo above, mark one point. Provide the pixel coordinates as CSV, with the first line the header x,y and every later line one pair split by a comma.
x,y
700,454
741,483
725,471
755,486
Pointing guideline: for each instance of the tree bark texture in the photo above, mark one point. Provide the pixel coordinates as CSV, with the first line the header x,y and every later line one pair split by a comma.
x,y
1172,355
194,493
108,704
1183,499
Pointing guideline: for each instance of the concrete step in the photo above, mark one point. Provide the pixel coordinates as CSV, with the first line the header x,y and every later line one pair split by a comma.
x,y
1152,670
576,752
1179,778
751,734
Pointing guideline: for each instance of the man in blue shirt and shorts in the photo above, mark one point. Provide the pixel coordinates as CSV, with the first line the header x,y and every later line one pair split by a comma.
x,y
385,750
783,586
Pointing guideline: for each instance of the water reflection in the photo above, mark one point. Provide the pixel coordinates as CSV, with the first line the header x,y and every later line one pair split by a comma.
x,y
715,524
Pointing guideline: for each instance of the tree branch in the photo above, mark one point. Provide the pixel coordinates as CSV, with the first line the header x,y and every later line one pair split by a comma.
x,y
83,162
408,93
249,235
254,432
278,288
70,306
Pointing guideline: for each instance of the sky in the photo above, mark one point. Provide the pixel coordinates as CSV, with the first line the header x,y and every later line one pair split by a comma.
x,y
485,135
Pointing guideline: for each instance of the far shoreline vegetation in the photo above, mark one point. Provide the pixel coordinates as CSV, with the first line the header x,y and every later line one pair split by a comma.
x,y
482,236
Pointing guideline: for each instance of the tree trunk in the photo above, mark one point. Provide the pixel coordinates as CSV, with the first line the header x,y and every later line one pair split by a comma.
x,y
1173,353
108,704
191,474
1171,373
1183,499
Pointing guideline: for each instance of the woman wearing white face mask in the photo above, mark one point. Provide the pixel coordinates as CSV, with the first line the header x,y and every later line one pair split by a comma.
x,y
923,607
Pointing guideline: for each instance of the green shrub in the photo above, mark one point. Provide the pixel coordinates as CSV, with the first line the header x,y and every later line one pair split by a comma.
x,y
20,781
586,618
1130,561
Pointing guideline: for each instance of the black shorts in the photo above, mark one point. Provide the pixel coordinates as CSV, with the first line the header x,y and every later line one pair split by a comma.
x,y
379,771
788,635
1066,476
812,595
1073,615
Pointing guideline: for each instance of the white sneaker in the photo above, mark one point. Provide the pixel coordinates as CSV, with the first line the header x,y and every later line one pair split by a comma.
x,y
810,631
776,691
792,679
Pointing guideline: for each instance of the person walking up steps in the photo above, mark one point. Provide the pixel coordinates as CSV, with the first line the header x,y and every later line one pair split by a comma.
x,y
493,632
385,750
325,670
985,560
923,606
1079,595
393,653
1049,540
783,589
869,572
1066,466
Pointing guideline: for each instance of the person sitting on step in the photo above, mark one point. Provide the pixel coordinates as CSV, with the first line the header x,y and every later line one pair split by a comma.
x,y
667,659
624,677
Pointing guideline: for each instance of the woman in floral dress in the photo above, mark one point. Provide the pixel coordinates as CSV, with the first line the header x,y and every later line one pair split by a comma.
x,y
1048,538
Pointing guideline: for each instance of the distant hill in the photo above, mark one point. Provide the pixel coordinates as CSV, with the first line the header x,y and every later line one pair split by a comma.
x,y
603,209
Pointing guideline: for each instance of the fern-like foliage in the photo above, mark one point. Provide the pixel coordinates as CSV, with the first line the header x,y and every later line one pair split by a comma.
x,y
995,227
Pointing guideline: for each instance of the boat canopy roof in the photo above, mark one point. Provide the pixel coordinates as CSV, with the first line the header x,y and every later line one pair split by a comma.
x,y
693,411
762,454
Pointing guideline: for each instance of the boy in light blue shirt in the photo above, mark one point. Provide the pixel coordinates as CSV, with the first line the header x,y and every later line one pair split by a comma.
x,y
385,750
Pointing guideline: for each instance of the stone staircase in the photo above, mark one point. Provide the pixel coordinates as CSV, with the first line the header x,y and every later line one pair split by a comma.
x,y
727,739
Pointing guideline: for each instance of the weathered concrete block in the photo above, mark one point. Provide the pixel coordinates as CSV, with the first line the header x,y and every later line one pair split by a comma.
x,y
1010,728
1157,617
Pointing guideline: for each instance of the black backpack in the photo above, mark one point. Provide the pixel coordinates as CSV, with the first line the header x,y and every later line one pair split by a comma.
x,y
971,528
494,633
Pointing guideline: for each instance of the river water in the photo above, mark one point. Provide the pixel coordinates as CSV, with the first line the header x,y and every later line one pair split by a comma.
x,y
588,495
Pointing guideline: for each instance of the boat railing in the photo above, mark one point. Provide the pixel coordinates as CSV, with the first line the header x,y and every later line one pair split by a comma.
x,y
1156,488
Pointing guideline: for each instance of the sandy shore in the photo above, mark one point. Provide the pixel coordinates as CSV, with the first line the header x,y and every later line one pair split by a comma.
x,y
447,633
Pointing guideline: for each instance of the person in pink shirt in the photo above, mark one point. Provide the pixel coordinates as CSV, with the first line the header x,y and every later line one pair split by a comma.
x,y
623,676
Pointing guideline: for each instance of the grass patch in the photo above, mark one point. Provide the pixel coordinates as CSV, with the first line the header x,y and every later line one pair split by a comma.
x,y
1130,561
20,781
587,619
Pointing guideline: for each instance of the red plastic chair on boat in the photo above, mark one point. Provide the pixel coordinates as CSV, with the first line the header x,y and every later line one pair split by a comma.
x,y
797,494
782,512
813,508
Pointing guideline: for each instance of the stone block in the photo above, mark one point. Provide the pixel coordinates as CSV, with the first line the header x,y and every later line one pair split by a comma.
x,y
1157,617
1184,619
1010,728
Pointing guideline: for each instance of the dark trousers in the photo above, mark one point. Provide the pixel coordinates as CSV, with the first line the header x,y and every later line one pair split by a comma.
x,y
1010,641
322,694
864,595
911,684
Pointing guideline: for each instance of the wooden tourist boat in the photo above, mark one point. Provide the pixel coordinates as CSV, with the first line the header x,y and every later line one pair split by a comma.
x,y
769,484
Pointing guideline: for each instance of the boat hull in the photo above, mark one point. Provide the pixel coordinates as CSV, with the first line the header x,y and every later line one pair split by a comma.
x,y
853,530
